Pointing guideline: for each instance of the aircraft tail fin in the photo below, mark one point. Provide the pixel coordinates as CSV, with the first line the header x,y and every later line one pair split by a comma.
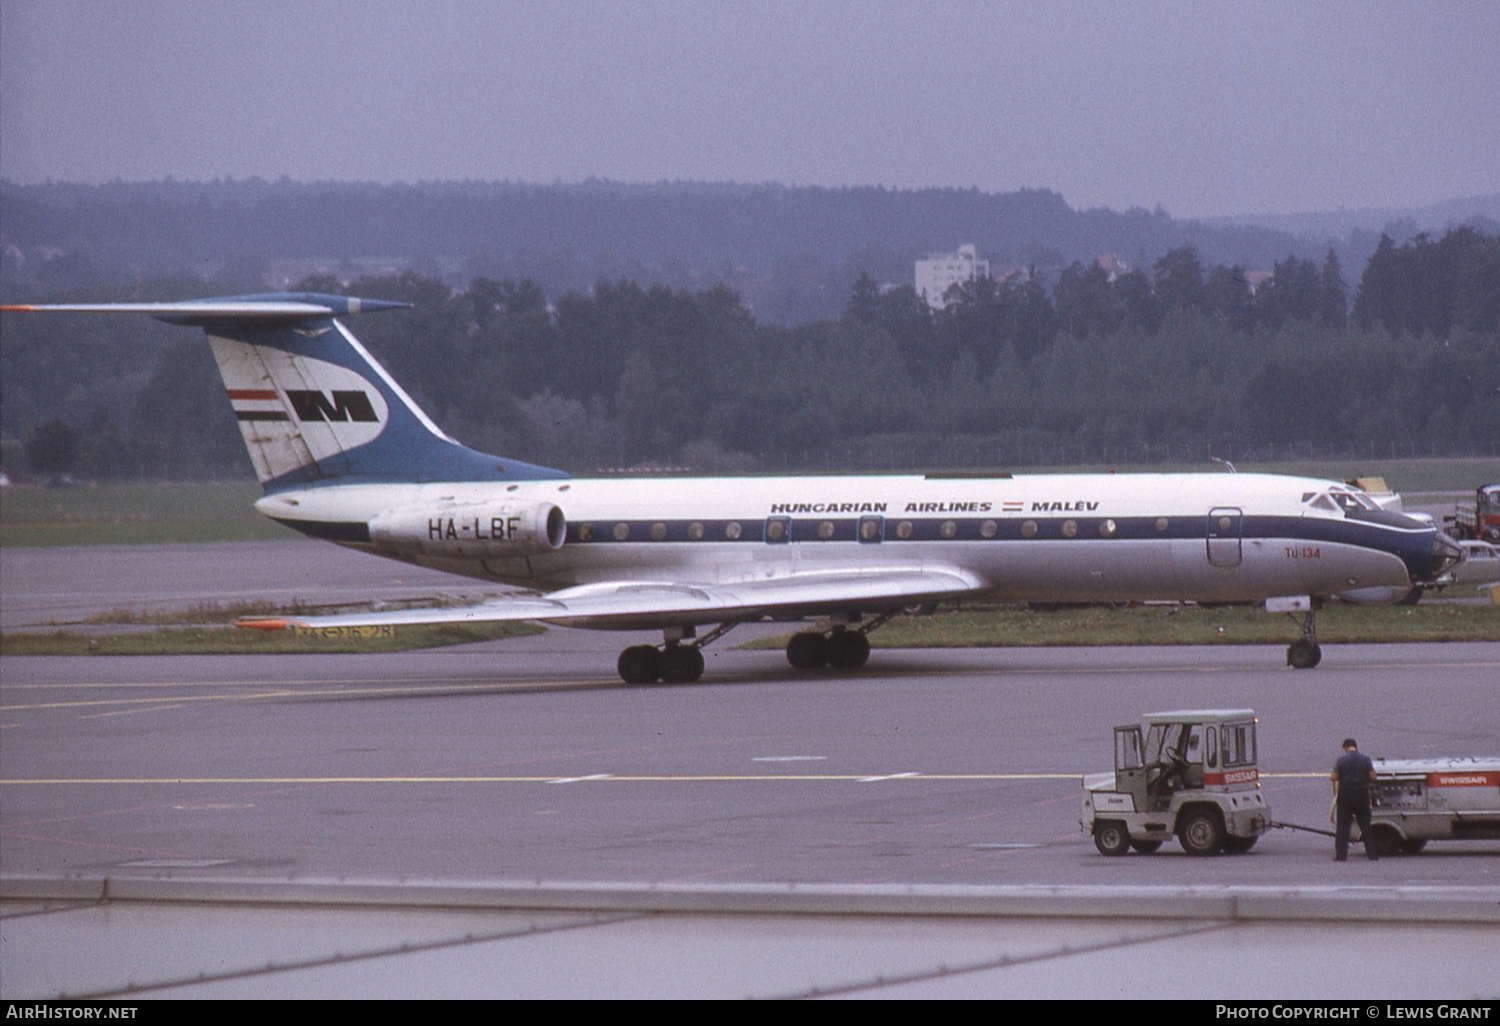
x,y
311,401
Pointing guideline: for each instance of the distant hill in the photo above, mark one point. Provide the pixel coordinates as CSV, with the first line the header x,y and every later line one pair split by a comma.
x,y
1337,224
793,253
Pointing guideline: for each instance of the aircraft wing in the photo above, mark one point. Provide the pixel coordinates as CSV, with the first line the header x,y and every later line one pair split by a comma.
x,y
644,605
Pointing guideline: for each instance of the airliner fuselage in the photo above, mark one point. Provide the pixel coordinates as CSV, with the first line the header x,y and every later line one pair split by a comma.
x,y
1043,537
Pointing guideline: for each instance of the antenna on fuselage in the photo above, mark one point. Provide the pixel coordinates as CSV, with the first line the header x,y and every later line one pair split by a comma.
x,y
1226,463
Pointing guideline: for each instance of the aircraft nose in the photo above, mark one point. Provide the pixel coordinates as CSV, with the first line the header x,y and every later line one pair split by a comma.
x,y
1442,555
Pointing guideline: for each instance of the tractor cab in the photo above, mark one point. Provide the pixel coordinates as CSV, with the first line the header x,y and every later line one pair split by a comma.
x,y
1192,774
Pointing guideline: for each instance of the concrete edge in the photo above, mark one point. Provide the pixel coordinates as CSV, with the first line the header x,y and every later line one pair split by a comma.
x,y
1370,904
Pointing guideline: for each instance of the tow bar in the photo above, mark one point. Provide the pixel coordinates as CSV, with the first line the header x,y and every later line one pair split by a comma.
x,y
1308,829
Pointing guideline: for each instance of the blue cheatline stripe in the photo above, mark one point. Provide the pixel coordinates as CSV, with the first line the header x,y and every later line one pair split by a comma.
x,y
1411,547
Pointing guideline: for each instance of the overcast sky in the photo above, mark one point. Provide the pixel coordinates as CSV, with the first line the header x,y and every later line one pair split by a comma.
x,y
1203,107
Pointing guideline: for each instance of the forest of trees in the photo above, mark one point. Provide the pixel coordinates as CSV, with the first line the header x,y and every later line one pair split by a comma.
x,y
1179,361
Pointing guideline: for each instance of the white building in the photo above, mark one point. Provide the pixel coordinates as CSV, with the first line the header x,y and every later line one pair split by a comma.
x,y
936,274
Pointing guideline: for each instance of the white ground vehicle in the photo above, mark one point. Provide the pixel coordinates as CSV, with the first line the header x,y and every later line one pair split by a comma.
x,y
1190,774
1419,800
1480,565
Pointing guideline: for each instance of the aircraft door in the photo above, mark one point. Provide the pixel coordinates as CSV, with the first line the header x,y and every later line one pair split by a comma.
x,y
1225,524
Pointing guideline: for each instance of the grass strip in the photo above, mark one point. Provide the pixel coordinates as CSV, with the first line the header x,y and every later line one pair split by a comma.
x,y
134,513
243,641
1017,625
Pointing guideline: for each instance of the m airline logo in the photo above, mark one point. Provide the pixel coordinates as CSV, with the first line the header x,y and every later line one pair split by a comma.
x,y
346,405
278,396
263,404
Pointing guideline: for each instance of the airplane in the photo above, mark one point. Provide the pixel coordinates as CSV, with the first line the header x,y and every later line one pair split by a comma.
x,y
345,455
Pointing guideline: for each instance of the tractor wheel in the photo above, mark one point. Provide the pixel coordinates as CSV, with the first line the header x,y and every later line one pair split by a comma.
x,y
1111,837
1201,832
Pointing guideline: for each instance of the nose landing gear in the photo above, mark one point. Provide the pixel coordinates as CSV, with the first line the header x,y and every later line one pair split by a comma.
x,y
1306,653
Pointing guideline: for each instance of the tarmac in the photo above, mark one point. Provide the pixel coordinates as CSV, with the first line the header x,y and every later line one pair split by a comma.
x,y
507,819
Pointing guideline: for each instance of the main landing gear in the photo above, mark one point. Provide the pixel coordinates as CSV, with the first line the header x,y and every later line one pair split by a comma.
x,y
842,646
674,663
677,661
1306,653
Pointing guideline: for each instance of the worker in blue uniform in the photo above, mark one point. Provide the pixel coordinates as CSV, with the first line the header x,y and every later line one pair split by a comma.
x,y
1352,776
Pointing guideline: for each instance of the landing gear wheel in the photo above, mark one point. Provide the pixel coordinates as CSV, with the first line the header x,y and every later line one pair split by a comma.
x,y
807,651
1111,837
1201,833
1145,847
1412,845
1303,655
640,664
681,664
1239,845
848,650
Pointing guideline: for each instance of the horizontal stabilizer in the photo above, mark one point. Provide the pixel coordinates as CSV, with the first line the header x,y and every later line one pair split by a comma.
x,y
280,307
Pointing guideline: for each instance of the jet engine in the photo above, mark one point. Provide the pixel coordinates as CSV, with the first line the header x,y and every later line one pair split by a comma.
x,y
477,530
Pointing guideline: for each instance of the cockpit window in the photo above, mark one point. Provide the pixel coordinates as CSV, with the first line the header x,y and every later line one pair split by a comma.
x,y
1340,501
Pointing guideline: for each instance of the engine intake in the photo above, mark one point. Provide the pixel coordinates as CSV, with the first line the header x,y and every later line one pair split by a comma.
x,y
480,530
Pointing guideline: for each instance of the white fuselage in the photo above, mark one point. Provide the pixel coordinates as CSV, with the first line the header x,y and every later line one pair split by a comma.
x,y
1043,537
